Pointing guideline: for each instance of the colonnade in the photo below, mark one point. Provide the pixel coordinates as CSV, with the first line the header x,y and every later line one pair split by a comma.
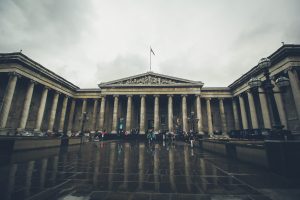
x,y
240,105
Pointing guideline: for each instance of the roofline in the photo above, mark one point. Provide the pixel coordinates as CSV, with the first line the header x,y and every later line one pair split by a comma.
x,y
22,59
149,73
277,56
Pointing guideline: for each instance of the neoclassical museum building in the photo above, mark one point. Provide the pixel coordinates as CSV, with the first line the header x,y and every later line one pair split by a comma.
x,y
35,99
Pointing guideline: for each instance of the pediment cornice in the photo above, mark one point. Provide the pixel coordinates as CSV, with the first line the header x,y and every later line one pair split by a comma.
x,y
150,79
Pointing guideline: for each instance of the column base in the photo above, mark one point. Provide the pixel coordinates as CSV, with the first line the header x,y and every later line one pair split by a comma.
x,y
20,130
142,133
113,132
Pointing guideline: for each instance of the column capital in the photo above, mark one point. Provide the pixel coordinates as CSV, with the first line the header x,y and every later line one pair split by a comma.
x,y
221,98
129,95
207,98
32,81
143,95
156,95
197,95
290,68
184,95
170,95
14,74
116,96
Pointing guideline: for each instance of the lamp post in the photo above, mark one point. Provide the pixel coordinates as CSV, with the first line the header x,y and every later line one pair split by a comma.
x,y
254,83
192,120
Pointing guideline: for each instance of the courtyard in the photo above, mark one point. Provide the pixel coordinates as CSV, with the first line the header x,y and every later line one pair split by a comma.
x,y
136,170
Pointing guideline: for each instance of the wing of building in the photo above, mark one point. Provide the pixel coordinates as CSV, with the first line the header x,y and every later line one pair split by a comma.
x,y
32,98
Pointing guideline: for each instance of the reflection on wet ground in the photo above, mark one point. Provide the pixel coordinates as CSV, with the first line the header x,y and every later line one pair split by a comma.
x,y
136,170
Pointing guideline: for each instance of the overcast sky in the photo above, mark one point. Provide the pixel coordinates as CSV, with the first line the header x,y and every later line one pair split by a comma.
x,y
93,41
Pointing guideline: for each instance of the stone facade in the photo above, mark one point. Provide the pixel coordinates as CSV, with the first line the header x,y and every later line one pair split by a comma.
x,y
32,98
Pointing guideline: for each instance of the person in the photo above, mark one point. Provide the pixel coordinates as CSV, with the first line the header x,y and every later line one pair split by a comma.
x,y
192,138
103,134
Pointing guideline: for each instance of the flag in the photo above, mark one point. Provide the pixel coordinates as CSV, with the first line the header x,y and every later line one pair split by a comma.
x,y
152,51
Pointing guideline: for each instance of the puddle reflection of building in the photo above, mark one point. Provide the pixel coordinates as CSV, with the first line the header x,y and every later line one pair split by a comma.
x,y
112,158
214,174
203,174
141,165
156,168
54,170
43,172
172,169
126,164
96,168
29,171
187,168
11,181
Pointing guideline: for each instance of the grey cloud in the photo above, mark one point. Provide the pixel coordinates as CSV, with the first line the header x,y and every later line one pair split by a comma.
x,y
120,67
91,41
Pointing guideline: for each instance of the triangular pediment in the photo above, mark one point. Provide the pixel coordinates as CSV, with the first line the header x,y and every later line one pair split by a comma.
x,y
150,79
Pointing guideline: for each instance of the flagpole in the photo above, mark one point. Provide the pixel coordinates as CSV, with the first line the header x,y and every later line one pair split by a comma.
x,y
150,58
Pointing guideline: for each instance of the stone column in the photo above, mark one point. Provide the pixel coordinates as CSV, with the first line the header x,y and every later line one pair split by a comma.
x,y
170,113
63,115
115,114
280,106
71,116
102,111
41,110
129,113
264,108
83,110
26,106
209,118
295,85
184,113
243,112
199,115
53,112
223,116
8,96
143,114
156,113
94,117
235,115
252,110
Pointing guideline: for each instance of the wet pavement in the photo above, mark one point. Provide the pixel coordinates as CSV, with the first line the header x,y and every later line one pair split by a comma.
x,y
137,170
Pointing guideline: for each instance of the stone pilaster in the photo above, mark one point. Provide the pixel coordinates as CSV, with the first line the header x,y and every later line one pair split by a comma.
x,y
252,110
170,113
295,85
102,112
26,105
184,113
223,116
129,113
71,117
53,112
243,112
115,114
264,108
235,115
63,114
8,96
41,110
156,113
83,110
94,117
280,106
199,115
143,114
209,117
